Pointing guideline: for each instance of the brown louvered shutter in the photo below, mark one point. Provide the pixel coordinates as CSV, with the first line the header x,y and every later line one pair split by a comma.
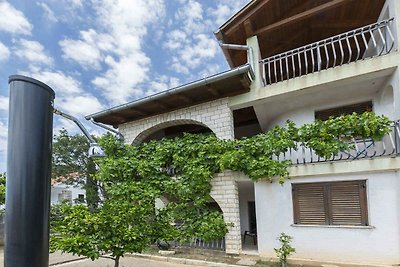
x,y
332,203
348,203
309,204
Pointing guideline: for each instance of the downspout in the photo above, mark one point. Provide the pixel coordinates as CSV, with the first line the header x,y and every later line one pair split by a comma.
x,y
120,136
250,57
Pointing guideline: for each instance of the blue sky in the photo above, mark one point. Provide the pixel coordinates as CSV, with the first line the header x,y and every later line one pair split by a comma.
x,y
96,54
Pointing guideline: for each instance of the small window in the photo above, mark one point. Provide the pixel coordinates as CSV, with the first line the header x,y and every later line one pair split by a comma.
x,y
65,196
333,203
343,110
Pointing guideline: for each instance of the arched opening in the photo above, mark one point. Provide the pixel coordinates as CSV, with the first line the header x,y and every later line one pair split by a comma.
x,y
171,129
177,130
195,242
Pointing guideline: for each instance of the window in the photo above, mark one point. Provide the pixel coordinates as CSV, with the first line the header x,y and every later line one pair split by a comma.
x,y
358,108
332,203
81,198
65,196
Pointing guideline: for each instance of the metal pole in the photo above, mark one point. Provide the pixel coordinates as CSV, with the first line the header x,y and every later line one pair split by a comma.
x,y
30,130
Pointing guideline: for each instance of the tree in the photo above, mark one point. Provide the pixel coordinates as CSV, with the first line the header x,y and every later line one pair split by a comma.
x,y
71,162
2,188
181,169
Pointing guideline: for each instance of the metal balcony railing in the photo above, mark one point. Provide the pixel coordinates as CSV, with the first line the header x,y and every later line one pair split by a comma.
x,y
361,149
198,243
369,41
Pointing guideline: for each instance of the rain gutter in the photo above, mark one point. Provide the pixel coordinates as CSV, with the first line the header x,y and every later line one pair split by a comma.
x,y
177,90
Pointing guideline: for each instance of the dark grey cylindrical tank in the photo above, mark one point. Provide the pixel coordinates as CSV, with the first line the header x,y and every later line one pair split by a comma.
x,y
30,131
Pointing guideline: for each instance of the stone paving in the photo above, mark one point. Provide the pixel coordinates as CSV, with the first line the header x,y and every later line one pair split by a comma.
x,y
139,260
124,262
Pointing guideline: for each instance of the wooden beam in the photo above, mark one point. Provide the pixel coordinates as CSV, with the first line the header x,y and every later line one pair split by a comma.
x,y
245,81
185,98
253,10
301,16
163,104
339,24
213,91
115,120
140,111
280,46
248,28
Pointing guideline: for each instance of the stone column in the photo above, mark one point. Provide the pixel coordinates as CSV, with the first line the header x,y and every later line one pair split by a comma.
x,y
225,192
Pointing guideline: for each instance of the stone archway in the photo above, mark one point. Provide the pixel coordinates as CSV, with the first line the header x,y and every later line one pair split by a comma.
x,y
215,115
146,133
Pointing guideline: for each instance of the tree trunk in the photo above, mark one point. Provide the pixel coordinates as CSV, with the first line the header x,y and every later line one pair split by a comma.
x,y
116,261
92,195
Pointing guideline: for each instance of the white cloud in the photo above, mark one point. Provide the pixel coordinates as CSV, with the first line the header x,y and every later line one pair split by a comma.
x,y
3,137
80,105
13,20
33,52
190,40
58,81
204,48
221,13
3,145
225,9
70,97
48,12
175,39
86,51
115,43
4,52
4,103
191,13
162,83
128,65
192,53
75,3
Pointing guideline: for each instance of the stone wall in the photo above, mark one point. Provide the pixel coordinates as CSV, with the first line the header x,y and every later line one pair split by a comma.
x,y
225,192
216,115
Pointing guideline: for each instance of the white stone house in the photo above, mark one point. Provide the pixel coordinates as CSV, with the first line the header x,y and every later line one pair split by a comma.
x,y
72,194
302,60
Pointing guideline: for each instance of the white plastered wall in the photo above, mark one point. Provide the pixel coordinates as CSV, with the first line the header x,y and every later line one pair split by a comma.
x,y
378,244
386,101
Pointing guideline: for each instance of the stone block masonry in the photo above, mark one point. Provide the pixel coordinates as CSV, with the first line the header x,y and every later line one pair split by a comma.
x,y
225,192
215,115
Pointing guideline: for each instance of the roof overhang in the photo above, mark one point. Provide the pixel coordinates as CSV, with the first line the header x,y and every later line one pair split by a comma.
x,y
229,83
282,25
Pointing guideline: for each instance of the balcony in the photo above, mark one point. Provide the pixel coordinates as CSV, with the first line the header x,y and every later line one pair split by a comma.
x,y
373,40
389,146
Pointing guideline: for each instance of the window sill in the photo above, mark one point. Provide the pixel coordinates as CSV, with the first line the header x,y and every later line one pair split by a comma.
x,y
333,226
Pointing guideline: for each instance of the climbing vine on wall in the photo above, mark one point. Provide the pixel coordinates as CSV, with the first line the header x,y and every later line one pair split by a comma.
x,y
180,170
